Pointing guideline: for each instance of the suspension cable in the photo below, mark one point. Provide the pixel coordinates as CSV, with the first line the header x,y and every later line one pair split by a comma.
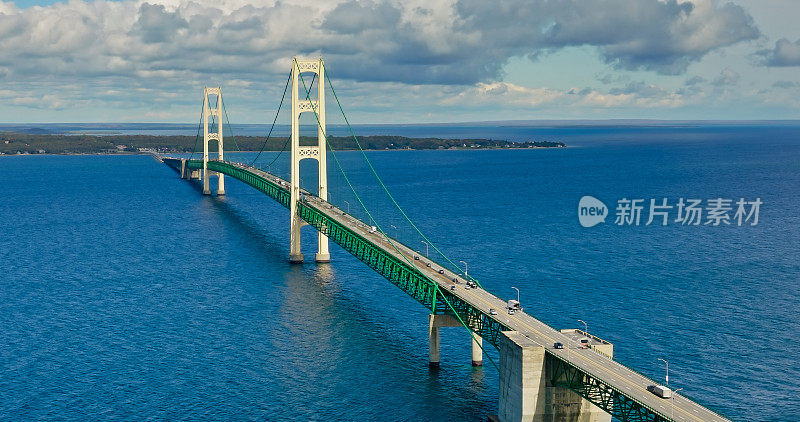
x,y
288,138
437,292
388,193
280,106
197,137
221,100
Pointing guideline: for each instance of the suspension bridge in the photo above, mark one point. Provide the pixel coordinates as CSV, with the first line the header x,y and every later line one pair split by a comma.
x,y
544,374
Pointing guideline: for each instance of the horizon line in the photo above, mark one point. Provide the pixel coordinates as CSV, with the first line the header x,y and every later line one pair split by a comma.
x,y
511,122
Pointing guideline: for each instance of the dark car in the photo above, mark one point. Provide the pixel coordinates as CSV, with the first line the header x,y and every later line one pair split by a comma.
x,y
558,346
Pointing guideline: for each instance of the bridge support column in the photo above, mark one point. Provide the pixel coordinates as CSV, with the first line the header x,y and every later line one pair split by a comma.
x,y
435,322
215,112
477,351
300,152
295,256
185,172
522,379
526,393
433,342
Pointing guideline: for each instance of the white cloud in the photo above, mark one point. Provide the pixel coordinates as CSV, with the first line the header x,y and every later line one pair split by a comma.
x,y
785,53
503,93
432,41
510,96
726,77
126,54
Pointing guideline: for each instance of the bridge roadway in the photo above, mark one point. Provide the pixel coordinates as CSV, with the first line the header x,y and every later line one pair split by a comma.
x,y
626,381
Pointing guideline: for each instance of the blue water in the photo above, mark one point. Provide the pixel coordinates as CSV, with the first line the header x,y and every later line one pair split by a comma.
x,y
128,295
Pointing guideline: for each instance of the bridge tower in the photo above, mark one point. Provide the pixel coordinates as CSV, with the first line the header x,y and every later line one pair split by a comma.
x,y
208,111
315,152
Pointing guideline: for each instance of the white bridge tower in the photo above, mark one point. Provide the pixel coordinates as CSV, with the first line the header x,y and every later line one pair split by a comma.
x,y
316,152
208,112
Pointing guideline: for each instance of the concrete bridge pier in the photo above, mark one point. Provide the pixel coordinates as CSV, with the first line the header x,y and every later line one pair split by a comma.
x,y
477,350
295,256
525,390
439,321
188,173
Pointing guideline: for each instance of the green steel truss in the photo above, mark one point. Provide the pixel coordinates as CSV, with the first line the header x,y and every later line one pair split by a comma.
x,y
438,301
563,374
402,274
272,190
397,271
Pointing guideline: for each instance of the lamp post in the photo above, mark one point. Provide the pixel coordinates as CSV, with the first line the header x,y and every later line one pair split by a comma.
x,y
466,268
348,206
517,293
395,230
585,327
666,378
426,247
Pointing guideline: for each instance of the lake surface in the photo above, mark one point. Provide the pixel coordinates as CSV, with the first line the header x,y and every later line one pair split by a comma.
x,y
126,294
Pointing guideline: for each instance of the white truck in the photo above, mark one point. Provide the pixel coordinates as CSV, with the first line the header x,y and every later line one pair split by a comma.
x,y
660,391
513,307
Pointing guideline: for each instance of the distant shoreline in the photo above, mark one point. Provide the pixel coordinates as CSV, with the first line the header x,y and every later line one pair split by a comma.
x,y
12,143
146,153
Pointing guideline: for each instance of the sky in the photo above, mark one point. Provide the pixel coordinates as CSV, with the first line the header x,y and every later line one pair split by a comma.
x,y
409,61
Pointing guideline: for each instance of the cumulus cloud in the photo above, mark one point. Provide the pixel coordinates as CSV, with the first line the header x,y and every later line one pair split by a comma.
x,y
453,51
664,36
504,94
415,41
613,78
726,77
156,25
694,80
785,53
785,84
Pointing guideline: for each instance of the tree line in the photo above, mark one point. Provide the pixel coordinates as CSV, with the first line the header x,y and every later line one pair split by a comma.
x,y
22,143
